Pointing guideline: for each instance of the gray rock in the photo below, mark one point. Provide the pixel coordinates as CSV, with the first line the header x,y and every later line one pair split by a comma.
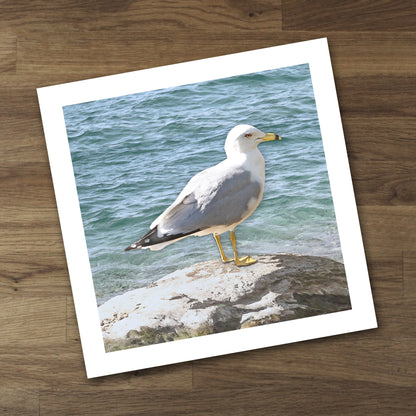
x,y
213,297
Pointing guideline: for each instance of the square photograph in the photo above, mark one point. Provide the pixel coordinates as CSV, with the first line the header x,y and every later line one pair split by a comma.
x,y
207,208
195,160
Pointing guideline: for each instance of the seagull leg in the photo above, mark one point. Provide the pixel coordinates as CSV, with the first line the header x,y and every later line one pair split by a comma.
x,y
240,261
224,258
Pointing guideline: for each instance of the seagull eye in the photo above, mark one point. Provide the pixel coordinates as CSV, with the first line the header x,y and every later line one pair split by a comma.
x,y
248,135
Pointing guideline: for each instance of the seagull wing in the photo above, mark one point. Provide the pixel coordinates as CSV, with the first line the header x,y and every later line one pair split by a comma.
x,y
218,196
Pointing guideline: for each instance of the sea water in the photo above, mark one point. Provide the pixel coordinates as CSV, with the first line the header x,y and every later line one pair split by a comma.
x,y
132,155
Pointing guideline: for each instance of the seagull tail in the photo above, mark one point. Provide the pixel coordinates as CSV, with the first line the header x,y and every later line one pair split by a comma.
x,y
152,239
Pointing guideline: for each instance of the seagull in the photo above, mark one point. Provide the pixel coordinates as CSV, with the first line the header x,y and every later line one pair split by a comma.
x,y
216,199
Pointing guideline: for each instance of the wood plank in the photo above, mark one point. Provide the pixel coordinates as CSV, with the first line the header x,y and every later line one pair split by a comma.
x,y
373,138
72,332
122,53
33,260
384,182
59,367
355,15
352,53
39,274
309,396
38,14
386,278
409,276
386,274
8,53
22,142
24,182
149,16
387,230
12,97
226,16
383,53
349,358
377,96
32,320
18,402
395,323
54,365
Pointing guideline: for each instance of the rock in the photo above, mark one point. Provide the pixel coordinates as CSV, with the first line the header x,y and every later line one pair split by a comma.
x,y
215,297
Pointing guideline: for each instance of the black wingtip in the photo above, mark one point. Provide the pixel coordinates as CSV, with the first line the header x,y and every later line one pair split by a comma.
x,y
132,247
152,238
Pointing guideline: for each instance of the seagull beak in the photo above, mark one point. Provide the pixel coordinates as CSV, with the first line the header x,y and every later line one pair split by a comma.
x,y
270,136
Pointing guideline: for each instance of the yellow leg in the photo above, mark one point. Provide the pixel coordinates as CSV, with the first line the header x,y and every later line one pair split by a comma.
x,y
224,258
240,261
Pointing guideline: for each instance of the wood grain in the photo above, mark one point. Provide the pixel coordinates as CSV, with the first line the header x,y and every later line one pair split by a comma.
x,y
20,321
244,399
383,15
385,182
19,402
377,138
409,276
372,45
8,53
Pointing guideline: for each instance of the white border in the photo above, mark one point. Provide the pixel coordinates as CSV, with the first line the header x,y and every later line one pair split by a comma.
x,y
316,54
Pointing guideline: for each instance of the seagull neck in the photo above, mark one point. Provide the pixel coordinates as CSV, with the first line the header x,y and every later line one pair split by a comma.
x,y
252,161
252,157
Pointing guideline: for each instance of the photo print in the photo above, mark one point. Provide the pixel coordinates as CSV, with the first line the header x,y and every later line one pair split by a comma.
x,y
207,207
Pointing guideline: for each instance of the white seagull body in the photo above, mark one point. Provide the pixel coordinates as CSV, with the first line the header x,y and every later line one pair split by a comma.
x,y
217,199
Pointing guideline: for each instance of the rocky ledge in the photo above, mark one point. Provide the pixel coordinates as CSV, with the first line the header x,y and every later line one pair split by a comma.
x,y
214,297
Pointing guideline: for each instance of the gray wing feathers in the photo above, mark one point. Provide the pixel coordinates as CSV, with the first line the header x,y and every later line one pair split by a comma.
x,y
211,198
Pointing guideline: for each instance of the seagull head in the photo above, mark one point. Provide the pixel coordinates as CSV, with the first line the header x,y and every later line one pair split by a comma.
x,y
244,138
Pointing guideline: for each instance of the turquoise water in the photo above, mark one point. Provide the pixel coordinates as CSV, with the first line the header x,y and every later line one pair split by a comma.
x,y
133,154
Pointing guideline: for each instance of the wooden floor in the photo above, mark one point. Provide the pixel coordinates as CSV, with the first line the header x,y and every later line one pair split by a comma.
x,y
373,48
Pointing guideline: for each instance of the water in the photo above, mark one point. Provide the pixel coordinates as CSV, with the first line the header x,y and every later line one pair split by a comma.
x,y
133,154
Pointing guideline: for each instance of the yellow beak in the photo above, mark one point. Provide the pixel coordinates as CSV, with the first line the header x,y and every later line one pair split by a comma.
x,y
271,136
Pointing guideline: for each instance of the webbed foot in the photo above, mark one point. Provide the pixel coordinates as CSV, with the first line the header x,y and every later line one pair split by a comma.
x,y
244,261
